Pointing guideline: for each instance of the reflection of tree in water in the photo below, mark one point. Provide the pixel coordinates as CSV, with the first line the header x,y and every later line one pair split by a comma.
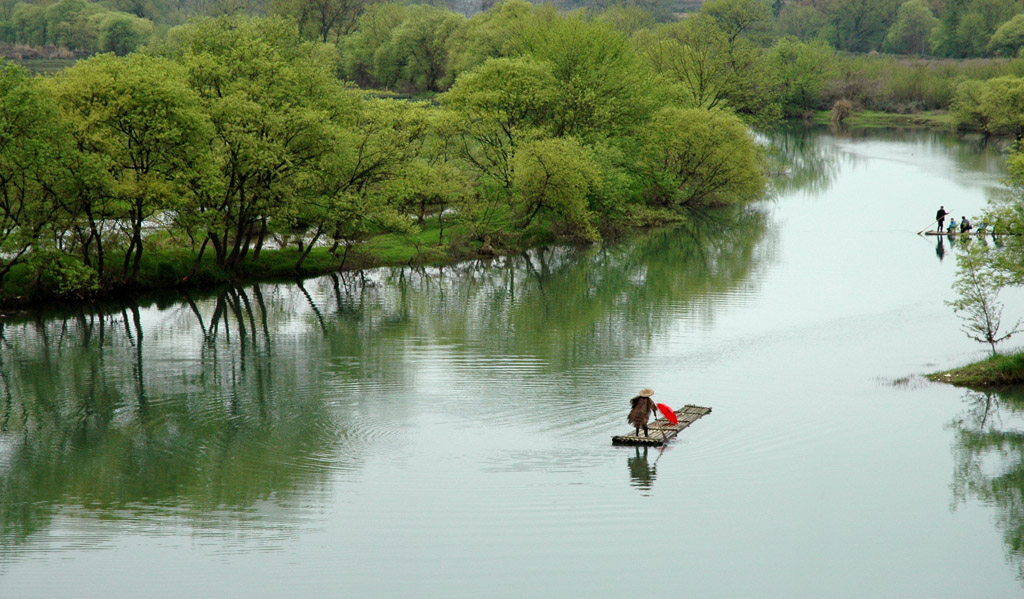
x,y
574,306
989,457
214,404
802,158
808,158
641,472
107,413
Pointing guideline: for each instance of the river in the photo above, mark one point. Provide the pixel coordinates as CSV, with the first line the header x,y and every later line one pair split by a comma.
x,y
446,432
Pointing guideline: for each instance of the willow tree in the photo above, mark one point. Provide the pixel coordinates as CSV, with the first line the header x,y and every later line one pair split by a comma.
x,y
691,157
604,90
556,176
713,67
28,161
498,106
272,99
144,125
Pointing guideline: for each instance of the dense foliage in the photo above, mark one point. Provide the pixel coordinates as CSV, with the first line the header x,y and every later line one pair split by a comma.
x,y
951,29
518,125
233,134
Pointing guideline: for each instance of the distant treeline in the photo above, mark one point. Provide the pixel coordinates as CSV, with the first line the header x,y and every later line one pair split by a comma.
x,y
934,28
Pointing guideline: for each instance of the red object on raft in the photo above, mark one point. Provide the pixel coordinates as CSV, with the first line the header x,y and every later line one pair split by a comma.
x,y
669,414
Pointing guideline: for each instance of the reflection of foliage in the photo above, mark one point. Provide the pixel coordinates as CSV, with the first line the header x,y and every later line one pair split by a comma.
x,y
989,458
801,160
570,306
87,420
810,157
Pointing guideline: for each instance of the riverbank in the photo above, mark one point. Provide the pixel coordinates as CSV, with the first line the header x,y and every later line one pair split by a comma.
x,y
167,267
996,371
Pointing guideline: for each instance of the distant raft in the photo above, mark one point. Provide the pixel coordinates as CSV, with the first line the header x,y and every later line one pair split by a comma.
x,y
661,430
974,233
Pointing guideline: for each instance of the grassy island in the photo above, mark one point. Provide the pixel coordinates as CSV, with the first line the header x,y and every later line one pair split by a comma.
x,y
996,371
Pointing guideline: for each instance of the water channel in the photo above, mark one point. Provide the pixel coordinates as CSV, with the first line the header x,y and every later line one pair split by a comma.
x,y
446,432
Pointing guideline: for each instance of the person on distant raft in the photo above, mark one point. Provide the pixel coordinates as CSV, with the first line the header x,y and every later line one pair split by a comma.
x,y
952,226
941,217
642,406
965,225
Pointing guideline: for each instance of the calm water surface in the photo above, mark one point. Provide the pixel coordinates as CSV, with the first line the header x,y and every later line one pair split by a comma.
x,y
446,433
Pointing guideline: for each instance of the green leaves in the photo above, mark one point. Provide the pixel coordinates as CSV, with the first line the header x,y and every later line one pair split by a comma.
x,y
695,157
977,286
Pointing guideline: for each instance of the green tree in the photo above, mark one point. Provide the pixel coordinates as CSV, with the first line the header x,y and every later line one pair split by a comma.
x,y
1006,213
627,19
966,105
500,105
557,176
1008,39
122,33
374,144
711,71
965,26
1000,104
805,22
747,18
139,117
29,168
361,48
859,25
977,286
491,34
272,99
323,20
695,157
415,58
802,70
912,30
604,89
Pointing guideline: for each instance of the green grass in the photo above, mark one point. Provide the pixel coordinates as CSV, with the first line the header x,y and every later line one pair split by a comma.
x,y
996,371
45,66
868,119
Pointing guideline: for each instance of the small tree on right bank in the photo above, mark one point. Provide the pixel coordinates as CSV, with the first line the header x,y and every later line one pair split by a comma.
x,y
977,285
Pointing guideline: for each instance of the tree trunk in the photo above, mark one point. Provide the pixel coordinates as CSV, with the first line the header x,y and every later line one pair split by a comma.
x,y
309,248
259,239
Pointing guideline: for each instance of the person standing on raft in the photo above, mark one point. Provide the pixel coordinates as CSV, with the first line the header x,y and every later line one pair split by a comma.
x,y
940,216
642,406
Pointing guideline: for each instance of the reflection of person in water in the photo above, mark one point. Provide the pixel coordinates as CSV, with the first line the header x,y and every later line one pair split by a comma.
x,y
640,472
940,248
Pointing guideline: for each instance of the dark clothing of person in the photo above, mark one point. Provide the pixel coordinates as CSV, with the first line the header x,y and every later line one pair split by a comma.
x,y
941,217
965,225
642,407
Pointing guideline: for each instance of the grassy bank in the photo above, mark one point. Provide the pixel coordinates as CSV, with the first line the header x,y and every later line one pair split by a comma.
x,y
162,268
165,266
868,119
996,371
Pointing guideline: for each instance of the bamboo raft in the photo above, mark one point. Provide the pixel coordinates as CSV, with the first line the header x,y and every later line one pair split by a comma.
x,y
661,430
974,233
